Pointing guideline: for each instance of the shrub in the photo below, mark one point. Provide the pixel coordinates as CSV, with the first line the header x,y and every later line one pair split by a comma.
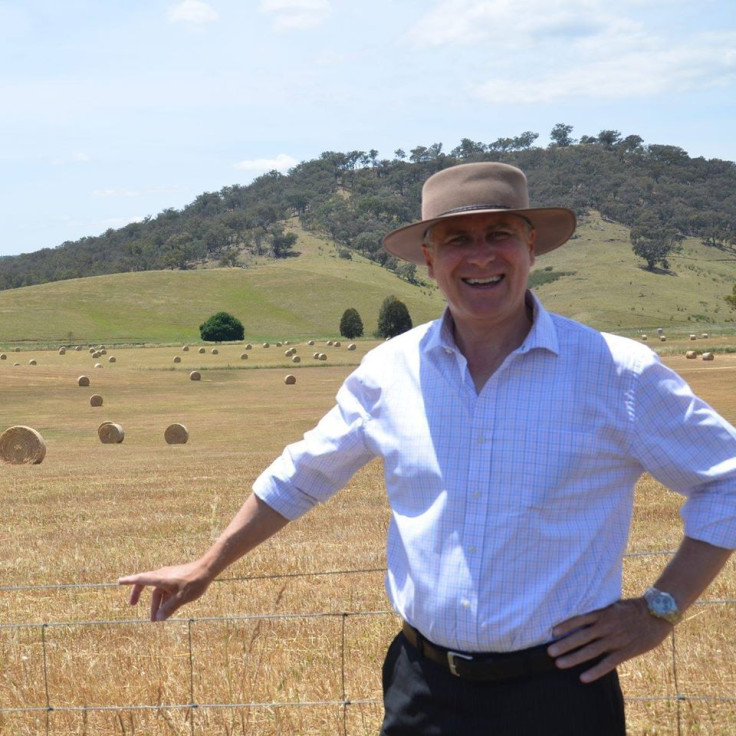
x,y
220,327
351,325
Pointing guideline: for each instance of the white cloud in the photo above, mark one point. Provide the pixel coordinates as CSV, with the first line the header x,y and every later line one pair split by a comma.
x,y
513,23
616,71
115,193
282,162
296,14
78,157
195,12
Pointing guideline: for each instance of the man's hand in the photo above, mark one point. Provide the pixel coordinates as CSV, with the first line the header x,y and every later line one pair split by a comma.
x,y
623,630
172,587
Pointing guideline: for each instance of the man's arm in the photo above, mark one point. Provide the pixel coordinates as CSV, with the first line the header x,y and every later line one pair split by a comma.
x,y
179,584
626,629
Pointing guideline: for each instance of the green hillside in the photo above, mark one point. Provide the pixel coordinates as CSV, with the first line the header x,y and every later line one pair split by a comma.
x,y
299,297
305,296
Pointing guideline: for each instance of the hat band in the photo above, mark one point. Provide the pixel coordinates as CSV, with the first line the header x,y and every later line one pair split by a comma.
x,y
471,207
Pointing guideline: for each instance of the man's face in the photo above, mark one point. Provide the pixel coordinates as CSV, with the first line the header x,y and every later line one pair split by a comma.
x,y
481,263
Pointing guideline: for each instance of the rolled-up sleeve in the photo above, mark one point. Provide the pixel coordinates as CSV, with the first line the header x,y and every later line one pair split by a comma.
x,y
685,444
310,471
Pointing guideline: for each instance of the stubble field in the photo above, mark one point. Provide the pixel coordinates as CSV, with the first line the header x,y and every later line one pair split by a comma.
x,y
291,640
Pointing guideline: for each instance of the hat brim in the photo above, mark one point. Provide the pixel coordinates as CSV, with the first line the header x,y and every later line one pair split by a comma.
x,y
553,225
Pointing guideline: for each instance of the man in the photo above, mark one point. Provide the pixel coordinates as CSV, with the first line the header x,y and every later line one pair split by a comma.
x,y
512,440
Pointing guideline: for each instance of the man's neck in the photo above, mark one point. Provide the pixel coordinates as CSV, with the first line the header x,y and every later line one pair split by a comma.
x,y
486,345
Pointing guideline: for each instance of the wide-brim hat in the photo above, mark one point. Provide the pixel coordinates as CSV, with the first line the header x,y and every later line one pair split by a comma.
x,y
470,189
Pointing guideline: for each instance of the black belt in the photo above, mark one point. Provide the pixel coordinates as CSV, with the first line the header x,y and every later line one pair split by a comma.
x,y
482,666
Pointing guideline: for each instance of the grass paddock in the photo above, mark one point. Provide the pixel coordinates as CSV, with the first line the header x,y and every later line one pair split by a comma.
x,y
270,632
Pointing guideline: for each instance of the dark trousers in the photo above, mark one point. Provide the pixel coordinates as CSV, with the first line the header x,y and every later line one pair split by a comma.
x,y
422,698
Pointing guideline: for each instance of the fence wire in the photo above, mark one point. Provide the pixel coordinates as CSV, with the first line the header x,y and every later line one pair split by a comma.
x,y
343,702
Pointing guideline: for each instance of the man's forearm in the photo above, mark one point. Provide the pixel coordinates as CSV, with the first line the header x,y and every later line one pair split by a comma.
x,y
254,523
692,570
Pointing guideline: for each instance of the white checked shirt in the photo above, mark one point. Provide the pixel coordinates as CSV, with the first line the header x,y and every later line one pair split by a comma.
x,y
511,508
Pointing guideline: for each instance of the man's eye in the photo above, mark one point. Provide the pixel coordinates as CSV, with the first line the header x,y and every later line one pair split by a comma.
x,y
499,234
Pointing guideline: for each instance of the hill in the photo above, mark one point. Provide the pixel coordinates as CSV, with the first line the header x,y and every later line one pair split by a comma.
x,y
352,199
594,278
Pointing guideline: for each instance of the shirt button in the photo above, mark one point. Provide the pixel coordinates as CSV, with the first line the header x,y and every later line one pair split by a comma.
x,y
465,603
472,550
476,495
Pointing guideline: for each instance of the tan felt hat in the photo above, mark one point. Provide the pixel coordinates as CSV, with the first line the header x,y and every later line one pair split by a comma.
x,y
469,189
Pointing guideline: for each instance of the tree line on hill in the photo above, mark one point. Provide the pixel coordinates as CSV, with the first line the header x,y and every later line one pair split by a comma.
x,y
354,198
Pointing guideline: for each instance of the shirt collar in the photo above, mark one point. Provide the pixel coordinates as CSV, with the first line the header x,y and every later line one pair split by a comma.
x,y
542,335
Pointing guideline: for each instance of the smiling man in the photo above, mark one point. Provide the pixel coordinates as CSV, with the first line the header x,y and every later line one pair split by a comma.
x,y
511,440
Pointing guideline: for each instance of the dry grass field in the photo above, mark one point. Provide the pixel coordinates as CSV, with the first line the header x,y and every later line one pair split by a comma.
x,y
278,646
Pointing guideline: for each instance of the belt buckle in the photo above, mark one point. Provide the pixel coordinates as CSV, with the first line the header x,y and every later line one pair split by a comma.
x,y
451,656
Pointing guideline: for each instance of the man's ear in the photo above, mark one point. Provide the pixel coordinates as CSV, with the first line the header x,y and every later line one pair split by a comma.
x,y
428,260
532,238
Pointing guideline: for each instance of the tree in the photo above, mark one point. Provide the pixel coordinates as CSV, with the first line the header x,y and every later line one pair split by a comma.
x,y
653,241
731,298
282,244
393,319
351,325
560,135
220,327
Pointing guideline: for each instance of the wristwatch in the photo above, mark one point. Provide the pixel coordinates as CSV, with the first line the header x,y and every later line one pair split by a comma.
x,y
663,605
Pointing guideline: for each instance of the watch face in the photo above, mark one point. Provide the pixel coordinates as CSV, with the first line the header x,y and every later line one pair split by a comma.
x,y
663,603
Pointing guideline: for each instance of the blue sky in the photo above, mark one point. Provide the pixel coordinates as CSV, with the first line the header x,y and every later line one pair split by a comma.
x,y
113,110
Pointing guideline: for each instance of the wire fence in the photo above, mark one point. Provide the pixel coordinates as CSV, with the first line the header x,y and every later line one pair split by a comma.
x,y
195,705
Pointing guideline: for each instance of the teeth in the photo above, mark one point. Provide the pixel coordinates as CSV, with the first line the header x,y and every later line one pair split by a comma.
x,y
491,280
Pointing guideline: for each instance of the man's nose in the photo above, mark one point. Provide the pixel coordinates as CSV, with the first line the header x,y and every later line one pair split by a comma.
x,y
481,251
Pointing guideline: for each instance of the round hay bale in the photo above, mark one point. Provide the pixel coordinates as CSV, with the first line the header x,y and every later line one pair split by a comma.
x,y
248,346
177,359
62,351
214,351
110,433
195,376
296,359
351,346
708,356
337,343
32,362
691,355
17,350
693,337
185,348
21,445
644,338
83,381
201,350
78,348
3,356
310,342
112,359
102,351
705,335
278,344
662,338
98,365
16,364
286,342
92,351
322,356
290,380
243,356
97,354
266,345
95,400
329,342
315,356
176,434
